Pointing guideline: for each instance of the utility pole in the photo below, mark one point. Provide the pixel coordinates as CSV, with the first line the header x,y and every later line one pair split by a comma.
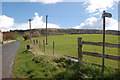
x,y
46,29
30,28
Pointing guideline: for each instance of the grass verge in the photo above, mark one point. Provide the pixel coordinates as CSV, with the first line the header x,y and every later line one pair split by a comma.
x,y
51,66
28,66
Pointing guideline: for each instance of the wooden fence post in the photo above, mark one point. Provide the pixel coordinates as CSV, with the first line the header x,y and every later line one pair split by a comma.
x,y
33,41
44,45
53,47
79,49
39,43
36,41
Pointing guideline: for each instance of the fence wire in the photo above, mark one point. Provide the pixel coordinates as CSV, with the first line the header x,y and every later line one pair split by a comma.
x,y
65,42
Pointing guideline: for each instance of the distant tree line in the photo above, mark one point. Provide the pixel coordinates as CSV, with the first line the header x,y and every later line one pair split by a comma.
x,y
56,31
13,34
28,35
10,35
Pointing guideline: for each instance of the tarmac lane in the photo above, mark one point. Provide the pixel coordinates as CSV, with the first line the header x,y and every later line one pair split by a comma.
x,y
8,54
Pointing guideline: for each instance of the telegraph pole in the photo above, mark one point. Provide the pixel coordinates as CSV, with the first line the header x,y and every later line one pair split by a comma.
x,y
46,29
30,28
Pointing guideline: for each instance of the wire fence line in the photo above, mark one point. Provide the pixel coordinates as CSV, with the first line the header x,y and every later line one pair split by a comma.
x,y
42,46
68,45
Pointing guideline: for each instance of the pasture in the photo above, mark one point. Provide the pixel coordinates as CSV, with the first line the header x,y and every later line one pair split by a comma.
x,y
68,44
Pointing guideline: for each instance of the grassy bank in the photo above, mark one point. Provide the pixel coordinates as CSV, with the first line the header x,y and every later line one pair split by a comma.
x,y
47,65
28,66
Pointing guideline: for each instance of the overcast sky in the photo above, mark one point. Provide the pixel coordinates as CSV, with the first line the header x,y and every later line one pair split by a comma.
x,y
61,14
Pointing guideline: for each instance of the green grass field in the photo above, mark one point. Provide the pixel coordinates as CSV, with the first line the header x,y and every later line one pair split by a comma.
x,y
67,44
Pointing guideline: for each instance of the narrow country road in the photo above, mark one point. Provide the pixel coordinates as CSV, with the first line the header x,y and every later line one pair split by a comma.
x,y
8,53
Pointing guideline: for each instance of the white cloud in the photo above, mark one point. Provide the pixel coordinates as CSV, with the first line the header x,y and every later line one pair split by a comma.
x,y
96,7
47,1
99,5
20,26
112,24
44,1
37,22
94,23
6,22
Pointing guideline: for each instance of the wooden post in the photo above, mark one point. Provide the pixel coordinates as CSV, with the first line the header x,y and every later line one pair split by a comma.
x,y
36,41
103,52
79,49
39,43
44,45
33,41
53,47
30,28
46,28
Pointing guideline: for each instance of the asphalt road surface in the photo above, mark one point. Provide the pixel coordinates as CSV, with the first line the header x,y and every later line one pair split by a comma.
x,y
8,53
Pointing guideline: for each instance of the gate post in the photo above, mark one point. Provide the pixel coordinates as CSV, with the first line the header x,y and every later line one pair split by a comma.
x,y
79,49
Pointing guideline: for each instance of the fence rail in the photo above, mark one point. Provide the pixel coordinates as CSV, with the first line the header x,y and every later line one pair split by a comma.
x,y
100,55
100,44
80,53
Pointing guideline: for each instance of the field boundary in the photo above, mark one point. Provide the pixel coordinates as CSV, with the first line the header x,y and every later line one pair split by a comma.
x,y
101,43
100,55
80,52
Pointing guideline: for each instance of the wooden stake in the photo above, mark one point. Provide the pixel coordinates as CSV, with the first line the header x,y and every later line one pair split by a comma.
x,y
53,47
79,49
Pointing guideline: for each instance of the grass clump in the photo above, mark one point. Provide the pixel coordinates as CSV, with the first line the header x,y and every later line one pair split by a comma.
x,y
63,62
83,71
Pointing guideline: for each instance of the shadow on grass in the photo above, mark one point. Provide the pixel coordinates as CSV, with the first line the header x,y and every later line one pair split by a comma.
x,y
26,51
